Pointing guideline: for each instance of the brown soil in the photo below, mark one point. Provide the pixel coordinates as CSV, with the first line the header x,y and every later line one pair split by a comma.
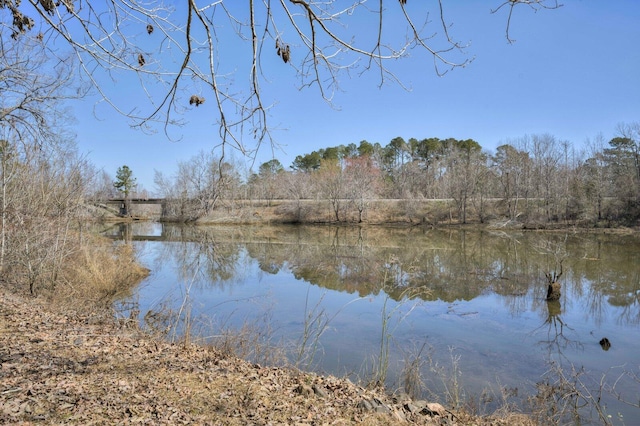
x,y
70,368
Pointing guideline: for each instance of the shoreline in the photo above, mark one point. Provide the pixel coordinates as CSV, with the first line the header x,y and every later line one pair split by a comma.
x,y
404,213
72,368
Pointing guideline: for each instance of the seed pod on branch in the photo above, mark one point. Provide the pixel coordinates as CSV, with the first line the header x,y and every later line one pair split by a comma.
x,y
195,99
286,54
283,51
49,6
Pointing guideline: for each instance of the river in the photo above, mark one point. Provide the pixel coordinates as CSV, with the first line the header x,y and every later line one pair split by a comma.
x,y
456,316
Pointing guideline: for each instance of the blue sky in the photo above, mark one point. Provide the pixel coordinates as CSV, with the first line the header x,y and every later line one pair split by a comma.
x,y
573,73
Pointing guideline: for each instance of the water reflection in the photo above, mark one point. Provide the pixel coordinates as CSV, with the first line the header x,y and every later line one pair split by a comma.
x,y
479,292
452,265
559,335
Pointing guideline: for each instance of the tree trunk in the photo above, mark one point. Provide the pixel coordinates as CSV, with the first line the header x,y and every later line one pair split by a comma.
x,y
553,291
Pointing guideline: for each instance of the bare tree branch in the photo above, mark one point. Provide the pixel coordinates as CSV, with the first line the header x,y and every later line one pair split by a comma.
x,y
204,49
533,4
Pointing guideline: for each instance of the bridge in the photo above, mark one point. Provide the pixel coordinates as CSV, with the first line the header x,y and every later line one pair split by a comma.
x,y
155,208
135,201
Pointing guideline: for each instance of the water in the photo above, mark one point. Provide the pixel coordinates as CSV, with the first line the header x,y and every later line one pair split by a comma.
x,y
465,309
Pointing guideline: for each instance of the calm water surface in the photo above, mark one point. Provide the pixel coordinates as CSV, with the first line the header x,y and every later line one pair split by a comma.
x,y
376,303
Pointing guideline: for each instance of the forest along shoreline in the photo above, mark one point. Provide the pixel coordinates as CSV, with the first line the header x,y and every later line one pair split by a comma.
x,y
382,212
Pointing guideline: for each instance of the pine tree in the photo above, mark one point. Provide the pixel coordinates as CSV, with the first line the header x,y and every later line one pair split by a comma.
x,y
125,183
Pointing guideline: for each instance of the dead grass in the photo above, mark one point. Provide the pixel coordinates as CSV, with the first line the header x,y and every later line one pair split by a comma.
x,y
99,273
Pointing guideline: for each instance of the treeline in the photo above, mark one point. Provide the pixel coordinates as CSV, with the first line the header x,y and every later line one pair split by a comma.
x,y
535,178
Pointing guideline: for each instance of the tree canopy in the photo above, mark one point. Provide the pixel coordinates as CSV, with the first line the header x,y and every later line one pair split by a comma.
x,y
271,167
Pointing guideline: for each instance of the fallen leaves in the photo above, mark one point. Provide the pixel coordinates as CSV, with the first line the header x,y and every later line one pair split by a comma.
x,y
74,369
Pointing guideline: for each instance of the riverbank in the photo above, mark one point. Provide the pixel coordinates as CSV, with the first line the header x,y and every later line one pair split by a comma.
x,y
389,212
86,368
383,212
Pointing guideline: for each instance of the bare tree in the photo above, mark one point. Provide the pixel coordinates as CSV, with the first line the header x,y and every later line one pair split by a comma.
x,y
269,180
193,51
596,176
102,186
556,252
331,183
9,172
297,186
42,179
197,185
48,202
465,164
43,189
33,91
553,279
535,5
363,182
511,165
546,161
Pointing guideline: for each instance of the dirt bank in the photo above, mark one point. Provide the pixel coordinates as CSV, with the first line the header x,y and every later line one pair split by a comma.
x,y
63,367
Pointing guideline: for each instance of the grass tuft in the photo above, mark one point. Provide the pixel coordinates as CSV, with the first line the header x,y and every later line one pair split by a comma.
x,y
99,273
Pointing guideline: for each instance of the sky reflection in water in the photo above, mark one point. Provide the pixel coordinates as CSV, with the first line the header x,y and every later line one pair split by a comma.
x,y
476,296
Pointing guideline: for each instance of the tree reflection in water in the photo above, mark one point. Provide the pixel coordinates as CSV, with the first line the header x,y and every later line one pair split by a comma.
x,y
557,339
600,282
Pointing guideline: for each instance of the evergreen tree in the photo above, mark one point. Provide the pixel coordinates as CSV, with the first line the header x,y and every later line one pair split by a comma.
x,y
125,183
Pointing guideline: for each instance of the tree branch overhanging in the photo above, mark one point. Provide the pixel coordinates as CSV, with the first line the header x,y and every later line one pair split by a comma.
x,y
207,49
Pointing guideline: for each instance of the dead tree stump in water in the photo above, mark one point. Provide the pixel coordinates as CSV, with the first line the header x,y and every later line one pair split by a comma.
x,y
553,291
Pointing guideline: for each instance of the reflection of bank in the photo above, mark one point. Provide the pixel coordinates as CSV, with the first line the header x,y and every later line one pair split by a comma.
x,y
235,267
